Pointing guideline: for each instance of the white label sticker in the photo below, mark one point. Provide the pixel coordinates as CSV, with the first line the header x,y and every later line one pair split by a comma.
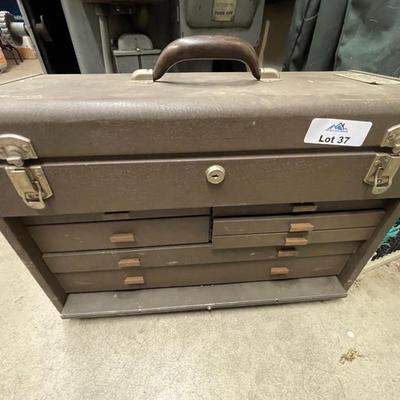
x,y
340,132
223,10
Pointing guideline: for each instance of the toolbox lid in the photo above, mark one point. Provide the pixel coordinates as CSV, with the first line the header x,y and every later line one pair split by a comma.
x,y
113,115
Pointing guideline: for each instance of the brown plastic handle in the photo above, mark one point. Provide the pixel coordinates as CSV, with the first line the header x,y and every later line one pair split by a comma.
x,y
205,47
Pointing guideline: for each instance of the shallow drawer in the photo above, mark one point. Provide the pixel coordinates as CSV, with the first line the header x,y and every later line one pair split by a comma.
x,y
120,234
297,208
112,216
168,256
296,223
291,239
201,274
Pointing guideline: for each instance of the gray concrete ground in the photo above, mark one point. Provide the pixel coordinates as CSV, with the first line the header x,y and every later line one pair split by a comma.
x,y
341,349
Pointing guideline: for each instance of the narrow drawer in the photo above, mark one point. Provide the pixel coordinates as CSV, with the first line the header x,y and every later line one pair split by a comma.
x,y
112,216
297,208
291,239
168,256
306,222
120,234
201,274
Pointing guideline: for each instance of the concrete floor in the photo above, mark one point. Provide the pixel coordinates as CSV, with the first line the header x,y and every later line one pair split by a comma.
x,y
274,352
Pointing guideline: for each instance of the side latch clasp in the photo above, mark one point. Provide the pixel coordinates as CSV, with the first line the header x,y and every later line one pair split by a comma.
x,y
30,182
382,171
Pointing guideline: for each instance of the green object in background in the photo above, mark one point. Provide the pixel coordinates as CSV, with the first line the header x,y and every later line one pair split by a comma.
x,y
345,34
390,243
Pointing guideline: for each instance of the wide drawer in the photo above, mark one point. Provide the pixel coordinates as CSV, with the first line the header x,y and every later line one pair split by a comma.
x,y
292,239
201,274
168,256
296,223
98,186
120,234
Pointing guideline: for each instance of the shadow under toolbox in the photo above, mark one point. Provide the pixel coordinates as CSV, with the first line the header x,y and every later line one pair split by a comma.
x,y
201,190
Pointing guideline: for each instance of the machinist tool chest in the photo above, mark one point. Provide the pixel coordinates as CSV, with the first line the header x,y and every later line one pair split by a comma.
x,y
124,195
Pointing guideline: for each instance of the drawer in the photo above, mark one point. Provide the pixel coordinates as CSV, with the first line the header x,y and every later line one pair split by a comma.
x,y
112,216
168,256
175,183
120,234
297,208
201,274
296,223
292,239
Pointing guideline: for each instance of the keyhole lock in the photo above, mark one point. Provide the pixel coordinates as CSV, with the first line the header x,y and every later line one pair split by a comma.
x,y
215,174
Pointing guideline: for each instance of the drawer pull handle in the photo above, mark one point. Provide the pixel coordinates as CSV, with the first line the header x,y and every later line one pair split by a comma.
x,y
129,262
307,207
287,253
279,271
301,227
296,241
215,174
122,238
134,280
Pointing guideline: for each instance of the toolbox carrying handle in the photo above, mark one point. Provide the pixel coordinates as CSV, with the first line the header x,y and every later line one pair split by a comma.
x,y
206,47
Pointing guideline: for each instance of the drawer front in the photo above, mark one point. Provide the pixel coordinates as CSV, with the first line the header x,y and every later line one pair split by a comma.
x,y
96,186
296,208
168,256
291,239
112,216
201,274
120,234
296,223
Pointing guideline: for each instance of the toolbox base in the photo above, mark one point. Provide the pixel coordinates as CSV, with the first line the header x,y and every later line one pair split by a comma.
x,y
152,301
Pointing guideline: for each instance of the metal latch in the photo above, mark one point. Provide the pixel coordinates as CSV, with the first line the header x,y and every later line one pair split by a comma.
x,y
392,139
30,182
382,171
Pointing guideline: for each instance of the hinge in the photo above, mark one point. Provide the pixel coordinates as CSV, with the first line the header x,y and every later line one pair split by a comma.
x,y
15,149
392,139
30,182
382,171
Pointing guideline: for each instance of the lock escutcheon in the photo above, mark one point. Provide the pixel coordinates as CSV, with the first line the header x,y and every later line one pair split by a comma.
x,y
215,174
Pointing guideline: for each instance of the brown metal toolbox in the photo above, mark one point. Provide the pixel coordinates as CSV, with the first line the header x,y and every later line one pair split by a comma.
x,y
201,190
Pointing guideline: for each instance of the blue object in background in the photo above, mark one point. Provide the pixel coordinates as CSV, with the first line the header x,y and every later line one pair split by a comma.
x,y
10,6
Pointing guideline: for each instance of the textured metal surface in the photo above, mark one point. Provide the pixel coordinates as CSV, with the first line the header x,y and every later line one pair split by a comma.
x,y
100,235
283,223
108,144
109,304
248,180
291,239
204,274
195,113
164,256
366,77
